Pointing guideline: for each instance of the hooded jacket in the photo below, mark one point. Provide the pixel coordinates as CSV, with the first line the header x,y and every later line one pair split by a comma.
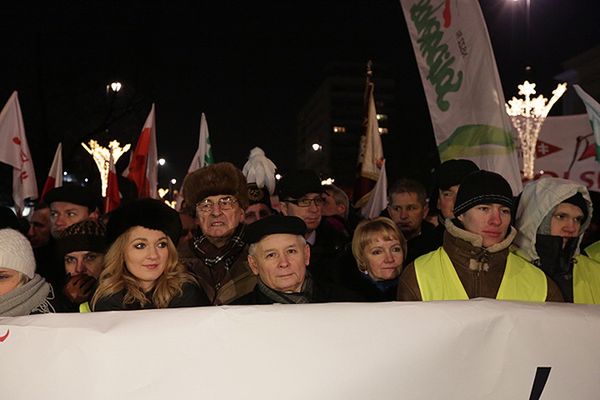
x,y
538,199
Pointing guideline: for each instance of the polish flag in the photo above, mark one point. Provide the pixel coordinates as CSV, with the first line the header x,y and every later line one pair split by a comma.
x,y
55,176
143,166
113,197
14,151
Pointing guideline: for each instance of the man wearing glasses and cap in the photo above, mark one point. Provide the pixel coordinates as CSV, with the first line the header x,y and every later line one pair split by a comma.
x,y
301,195
217,253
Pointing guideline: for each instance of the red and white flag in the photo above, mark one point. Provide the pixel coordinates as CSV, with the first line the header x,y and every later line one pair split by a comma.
x,y
113,197
143,166
14,151
55,176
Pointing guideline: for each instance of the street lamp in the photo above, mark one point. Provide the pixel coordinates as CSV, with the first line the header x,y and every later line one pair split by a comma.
x,y
162,161
527,117
316,147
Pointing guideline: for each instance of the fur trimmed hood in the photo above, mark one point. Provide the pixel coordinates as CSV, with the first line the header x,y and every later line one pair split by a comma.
x,y
537,200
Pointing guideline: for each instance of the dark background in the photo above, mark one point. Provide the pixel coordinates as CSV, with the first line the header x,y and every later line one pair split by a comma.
x,y
249,66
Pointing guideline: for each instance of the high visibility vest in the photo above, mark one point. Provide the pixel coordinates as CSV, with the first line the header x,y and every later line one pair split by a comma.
x,y
85,307
586,281
438,279
593,250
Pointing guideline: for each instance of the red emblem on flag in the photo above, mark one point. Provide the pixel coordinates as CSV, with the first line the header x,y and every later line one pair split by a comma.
x,y
543,149
3,337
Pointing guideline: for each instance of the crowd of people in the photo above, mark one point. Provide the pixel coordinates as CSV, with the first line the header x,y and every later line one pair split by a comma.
x,y
234,242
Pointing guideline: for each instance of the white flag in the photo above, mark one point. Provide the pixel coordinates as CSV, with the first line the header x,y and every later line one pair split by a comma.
x,y
14,151
378,198
203,156
55,176
370,154
461,83
593,110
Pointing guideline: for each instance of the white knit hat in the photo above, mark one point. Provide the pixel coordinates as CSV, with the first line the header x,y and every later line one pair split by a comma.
x,y
16,252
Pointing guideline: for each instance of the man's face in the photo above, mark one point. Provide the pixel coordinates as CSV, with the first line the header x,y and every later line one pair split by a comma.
x,y
39,228
84,262
566,220
490,221
255,212
407,212
311,214
330,207
280,261
63,215
446,200
219,221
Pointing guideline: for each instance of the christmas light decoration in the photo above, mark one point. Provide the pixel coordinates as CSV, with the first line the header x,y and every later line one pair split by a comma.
x,y
527,117
101,156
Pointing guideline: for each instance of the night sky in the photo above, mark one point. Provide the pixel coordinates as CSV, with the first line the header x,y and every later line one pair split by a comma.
x,y
249,66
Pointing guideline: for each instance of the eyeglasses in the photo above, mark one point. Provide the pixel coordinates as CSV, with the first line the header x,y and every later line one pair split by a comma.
x,y
224,203
304,202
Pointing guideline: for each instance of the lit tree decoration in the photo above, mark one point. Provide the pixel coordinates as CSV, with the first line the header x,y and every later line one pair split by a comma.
x,y
102,157
527,117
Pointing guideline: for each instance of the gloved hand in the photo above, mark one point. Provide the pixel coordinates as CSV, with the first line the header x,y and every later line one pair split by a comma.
x,y
79,288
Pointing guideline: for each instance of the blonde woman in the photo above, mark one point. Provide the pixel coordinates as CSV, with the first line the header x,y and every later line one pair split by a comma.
x,y
379,249
141,268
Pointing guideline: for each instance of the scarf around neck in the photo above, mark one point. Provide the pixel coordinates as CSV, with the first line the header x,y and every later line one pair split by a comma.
x,y
226,255
31,298
303,297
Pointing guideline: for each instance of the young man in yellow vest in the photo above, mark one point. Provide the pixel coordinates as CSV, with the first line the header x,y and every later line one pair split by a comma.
x,y
552,216
474,260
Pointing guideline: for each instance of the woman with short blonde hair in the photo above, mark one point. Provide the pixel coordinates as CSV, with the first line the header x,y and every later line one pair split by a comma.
x,y
379,249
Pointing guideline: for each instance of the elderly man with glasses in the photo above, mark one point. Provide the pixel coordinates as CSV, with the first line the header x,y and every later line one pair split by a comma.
x,y
217,196
301,195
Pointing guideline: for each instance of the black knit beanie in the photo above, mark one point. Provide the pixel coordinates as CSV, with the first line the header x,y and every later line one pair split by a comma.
x,y
148,213
482,187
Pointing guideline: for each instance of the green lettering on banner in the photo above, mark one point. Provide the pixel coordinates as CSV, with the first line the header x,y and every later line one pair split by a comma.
x,y
435,53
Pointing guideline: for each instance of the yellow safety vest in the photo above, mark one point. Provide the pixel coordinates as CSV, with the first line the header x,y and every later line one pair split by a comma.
x,y
586,281
438,279
593,250
85,307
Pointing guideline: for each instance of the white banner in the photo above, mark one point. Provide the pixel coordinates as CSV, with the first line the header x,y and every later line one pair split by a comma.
x,y
461,83
566,149
478,349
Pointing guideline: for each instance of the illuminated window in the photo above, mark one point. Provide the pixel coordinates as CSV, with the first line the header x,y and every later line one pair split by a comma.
x,y
339,129
383,131
382,117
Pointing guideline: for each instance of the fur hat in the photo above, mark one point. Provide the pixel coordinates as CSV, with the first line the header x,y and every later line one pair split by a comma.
x,y
16,252
298,183
148,213
87,235
216,179
482,187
